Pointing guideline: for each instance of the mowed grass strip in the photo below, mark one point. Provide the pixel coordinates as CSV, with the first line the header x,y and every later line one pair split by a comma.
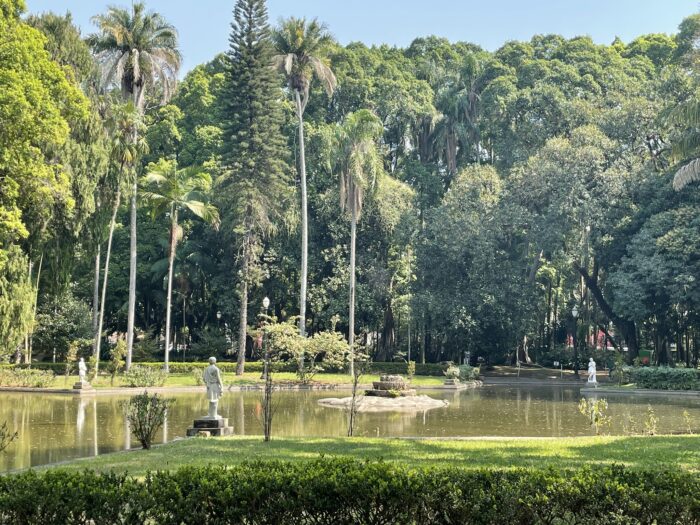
x,y
638,452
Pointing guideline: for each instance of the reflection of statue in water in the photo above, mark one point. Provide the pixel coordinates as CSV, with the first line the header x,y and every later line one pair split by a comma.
x,y
215,387
592,373
82,370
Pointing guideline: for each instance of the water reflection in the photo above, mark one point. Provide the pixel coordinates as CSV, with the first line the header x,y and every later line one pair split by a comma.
x,y
54,428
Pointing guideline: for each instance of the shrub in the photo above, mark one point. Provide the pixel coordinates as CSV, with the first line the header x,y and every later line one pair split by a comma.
x,y
117,359
410,370
345,492
452,372
331,348
145,376
595,411
26,377
663,377
146,415
198,375
468,373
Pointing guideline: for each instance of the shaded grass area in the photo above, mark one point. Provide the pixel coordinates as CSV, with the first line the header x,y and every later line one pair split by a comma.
x,y
249,378
654,453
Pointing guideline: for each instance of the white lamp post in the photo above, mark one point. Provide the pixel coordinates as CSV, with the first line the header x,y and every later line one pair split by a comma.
x,y
266,305
574,314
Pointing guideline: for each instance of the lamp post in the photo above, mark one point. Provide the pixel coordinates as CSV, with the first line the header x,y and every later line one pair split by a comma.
x,y
574,314
266,306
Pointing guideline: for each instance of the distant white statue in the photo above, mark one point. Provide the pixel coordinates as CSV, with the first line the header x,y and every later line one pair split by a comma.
x,y
215,387
82,370
592,373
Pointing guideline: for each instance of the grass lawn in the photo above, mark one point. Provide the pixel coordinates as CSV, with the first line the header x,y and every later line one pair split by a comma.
x,y
249,378
658,452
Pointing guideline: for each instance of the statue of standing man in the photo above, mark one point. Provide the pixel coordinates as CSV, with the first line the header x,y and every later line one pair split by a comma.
x,y
215,387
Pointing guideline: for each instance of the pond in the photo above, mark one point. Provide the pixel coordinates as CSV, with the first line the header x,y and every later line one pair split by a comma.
x,y
58,427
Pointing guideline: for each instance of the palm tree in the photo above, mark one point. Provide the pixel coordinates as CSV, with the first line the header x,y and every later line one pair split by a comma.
x,y
301,48
174,190
458,99
137,50
125,125
360,164
688,117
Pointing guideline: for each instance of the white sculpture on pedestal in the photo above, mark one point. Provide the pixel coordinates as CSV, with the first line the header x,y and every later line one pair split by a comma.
x,y
592,373
215,387
82,370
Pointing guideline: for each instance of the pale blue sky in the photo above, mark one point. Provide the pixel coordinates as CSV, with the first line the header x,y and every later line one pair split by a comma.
x,y
204,24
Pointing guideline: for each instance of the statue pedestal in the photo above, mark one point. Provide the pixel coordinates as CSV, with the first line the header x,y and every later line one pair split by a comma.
x,y
209,426
82,385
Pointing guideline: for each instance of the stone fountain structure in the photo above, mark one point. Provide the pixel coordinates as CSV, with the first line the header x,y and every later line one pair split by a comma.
x,y
390,386
390,393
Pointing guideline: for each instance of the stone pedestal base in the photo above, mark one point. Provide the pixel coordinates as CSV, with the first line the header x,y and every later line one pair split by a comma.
x,y
207,426
83,385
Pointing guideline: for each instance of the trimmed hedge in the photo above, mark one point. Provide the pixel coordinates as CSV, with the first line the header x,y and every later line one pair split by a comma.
x,y
663,377
428,369
349,492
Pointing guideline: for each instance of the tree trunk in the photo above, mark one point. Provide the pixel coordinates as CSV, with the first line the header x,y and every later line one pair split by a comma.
x,y
304,221
96,296
351,316
132,274
36,304
98,334
627,328
132,247
243,309
171,263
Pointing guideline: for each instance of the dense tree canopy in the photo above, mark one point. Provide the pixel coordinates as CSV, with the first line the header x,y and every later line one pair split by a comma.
x,y
514,185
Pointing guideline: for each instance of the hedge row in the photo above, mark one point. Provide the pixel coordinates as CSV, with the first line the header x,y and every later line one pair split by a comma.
x,y
663,377
347,491
429,369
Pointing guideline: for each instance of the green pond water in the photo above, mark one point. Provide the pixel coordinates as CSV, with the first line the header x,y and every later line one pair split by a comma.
x,y
57,427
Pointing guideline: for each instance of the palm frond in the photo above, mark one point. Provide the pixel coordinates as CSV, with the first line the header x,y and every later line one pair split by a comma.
x,y
687,175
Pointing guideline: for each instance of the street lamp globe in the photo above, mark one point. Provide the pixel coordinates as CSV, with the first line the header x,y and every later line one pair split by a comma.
x,y
218,315
574,311
266,303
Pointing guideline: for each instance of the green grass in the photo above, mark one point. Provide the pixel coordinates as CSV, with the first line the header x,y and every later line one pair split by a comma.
x,y
658,452
249,378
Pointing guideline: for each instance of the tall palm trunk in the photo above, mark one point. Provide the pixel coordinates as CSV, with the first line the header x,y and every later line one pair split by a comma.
x,y
171,263
98,333
132,275
132,252
351,315
96,296
36,304
243,310
304,220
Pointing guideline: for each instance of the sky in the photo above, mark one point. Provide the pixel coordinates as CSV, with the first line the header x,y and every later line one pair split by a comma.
x,y
203,25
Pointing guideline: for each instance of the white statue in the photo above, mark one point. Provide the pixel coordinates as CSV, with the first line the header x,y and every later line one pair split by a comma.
x,y
82,370
592,373
215,387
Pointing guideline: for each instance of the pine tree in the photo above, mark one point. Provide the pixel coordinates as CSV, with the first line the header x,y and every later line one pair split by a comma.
x,y
256,182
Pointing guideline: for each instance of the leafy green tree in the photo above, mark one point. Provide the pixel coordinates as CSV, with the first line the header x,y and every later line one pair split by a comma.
x,y
255,184
170,191
138,51
360,164
301,48
37,102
